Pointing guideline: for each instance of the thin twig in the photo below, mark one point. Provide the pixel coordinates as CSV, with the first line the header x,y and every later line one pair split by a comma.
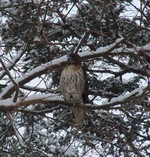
x,y
80,42
17,133
39,89
140,10
12,80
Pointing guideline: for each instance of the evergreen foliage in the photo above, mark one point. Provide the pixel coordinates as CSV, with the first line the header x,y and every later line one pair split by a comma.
x,y
35,32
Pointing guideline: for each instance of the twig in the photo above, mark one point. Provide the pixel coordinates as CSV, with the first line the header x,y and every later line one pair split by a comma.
x,y
61,61
18,135
12,80
80,42
39,89
56,99
12,62
140,10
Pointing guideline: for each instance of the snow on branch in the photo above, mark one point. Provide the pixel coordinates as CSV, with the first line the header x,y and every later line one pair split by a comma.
x,y
8,104
102,50
47,67
59,62
145,48
122,99
112,50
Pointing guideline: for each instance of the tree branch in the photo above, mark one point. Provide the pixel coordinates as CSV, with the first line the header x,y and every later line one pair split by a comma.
x,y
16,86
13,62
39,89
52,98
80,42
59,62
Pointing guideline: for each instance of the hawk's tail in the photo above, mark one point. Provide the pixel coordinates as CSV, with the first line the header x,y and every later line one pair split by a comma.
x,y
79,115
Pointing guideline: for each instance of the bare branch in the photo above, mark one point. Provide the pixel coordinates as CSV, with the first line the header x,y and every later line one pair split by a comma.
x,y
139,10
13,61
16,86
18,135
80,42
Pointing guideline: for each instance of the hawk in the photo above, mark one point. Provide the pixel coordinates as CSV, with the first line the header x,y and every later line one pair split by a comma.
x,y
72,84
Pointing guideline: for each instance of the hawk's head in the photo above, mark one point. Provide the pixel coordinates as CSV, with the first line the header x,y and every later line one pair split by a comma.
x,y
74,59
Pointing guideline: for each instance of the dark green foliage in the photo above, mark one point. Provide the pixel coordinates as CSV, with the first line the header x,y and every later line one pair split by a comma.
x,y
51,29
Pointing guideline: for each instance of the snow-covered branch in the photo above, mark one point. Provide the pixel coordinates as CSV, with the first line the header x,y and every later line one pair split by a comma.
x,y
59,62
56,63
8,104
122,99
39,89
102,50
135,50
112,50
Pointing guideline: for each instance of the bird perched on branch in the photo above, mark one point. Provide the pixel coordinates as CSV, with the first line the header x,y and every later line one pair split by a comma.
x,y
72,84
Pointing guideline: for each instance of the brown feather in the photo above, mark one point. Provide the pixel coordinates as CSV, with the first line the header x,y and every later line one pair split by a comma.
x,y
72,84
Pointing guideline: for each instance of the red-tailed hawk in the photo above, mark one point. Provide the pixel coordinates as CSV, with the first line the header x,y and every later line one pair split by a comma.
x,y
72,83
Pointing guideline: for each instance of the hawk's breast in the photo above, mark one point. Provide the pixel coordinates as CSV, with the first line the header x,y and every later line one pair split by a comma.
x,y
72,83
